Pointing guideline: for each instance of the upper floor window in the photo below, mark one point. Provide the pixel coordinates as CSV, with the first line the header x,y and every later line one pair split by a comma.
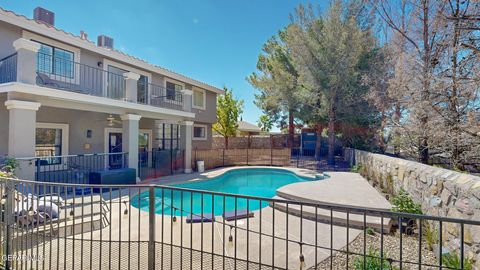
x,y
172,89
55,61
199,99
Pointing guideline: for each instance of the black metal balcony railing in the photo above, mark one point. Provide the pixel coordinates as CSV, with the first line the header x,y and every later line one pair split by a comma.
x,y
120,230
76,77
8,69
71,76
164,97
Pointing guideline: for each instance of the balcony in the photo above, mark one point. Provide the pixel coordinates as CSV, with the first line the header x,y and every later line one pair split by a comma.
x,y
75,77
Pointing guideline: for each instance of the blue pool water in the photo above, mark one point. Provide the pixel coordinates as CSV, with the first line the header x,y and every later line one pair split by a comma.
x,y
251,182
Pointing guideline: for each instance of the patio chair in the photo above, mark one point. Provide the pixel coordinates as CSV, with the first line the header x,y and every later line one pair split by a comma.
x,y
31,209
45,80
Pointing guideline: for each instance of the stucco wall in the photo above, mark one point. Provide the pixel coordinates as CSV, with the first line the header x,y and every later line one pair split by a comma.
x,y
8,34
3,126
441,192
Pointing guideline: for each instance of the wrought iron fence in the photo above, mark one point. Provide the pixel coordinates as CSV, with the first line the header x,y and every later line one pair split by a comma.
x,y
157,163
73,168
8,69
165,227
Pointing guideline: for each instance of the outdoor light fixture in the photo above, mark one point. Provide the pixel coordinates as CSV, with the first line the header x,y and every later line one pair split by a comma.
x,y
125,212
89,133
100,64
302,258
230,237
174,219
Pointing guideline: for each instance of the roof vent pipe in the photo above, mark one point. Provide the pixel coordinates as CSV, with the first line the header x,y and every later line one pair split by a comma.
x,y
83,35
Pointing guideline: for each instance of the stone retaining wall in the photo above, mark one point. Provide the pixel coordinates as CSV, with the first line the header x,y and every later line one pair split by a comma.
x,y
441,192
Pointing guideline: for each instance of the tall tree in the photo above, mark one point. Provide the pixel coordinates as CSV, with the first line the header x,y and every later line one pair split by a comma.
x,y
229,110
456,89
330,52
421,36
277,79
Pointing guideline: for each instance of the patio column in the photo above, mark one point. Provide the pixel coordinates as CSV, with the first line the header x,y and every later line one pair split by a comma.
x,y
188,145
187,100
22,118
26,60
131,86
130,139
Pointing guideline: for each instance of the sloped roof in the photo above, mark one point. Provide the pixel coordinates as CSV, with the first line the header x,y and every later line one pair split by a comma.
x,y
24,22
246,126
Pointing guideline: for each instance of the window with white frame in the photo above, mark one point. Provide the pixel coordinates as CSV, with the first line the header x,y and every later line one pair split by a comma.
x,y
50,142
199,99
55,61
199,132
172,89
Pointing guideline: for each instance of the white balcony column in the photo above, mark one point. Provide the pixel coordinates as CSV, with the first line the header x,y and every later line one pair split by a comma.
x,y
26,60
131,86
22,118
130,124
187,143
187,99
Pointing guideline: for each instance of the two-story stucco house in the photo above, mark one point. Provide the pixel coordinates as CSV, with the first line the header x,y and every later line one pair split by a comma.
x,y
61,95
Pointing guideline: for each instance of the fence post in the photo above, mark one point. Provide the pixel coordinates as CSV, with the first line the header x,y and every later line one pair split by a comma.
x,y
298,156
247,155
9,220
151,228
171,161
271,151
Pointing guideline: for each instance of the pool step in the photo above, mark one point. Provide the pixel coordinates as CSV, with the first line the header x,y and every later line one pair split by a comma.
x,y
336,217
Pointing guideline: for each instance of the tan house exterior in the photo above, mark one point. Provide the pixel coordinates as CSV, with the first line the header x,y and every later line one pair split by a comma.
x,y
61,94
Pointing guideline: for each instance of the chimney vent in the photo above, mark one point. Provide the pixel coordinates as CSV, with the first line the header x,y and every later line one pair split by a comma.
x,y
44,16
105,41
83,35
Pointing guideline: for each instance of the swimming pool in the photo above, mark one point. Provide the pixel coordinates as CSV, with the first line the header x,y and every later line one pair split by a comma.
x,y
260,182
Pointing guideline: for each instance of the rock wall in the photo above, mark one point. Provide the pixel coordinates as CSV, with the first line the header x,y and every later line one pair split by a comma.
x,y
441,192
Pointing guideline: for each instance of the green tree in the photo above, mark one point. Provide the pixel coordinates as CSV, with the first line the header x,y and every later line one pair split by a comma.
x,y
281,95
229,110
265,123
330,52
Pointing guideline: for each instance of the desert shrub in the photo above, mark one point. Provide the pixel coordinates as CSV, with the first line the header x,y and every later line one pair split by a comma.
x,y
453,261
430,234
403,203
373,261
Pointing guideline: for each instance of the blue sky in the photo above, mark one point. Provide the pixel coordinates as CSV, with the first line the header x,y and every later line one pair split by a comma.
x,y
215,41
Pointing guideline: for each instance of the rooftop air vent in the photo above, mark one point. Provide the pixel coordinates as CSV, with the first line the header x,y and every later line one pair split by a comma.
x,y
83,35
105,41
44,16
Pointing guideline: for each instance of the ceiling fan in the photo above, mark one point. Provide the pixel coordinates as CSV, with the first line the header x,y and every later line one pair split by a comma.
x,y
111,121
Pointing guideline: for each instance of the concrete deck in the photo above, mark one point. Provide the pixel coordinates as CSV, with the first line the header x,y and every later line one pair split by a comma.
x,y
343,189
261,239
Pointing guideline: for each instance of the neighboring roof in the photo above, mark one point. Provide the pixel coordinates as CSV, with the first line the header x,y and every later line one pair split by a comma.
x,y
61,35
245,126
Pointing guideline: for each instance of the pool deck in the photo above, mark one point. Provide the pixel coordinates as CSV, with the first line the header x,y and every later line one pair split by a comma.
x,y
259,243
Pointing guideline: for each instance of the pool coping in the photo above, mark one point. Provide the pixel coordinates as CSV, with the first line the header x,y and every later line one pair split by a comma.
x,y
210,174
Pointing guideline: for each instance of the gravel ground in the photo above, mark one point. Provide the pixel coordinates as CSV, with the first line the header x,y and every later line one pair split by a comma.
x,y
391,247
